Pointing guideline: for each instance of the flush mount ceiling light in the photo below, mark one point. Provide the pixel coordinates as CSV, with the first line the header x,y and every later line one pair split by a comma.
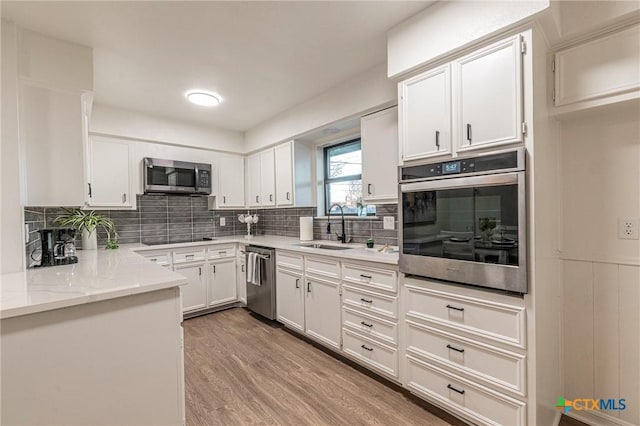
x,y
203,98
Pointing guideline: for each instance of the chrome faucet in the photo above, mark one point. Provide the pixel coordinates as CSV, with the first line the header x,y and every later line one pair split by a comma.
x,y
341,237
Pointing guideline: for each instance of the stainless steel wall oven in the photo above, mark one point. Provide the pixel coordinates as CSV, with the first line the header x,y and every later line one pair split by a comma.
x,y
464,220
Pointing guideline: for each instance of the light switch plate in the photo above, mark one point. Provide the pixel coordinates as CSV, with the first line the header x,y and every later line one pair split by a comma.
x,y
223,221
388,222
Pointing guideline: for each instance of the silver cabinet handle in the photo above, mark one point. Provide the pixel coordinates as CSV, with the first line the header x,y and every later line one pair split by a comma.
x,y
153,260
369,188
308,287
366,324
288,196
270,197
455,309
222,253
200,271
190,256
257,198
124,198
366,348
90,192
242,268
455,349
297,282
365,276
469,132
438,139
214,269
366,301
224,199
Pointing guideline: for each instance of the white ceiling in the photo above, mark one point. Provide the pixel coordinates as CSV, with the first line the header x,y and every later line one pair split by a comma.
x,y
261,57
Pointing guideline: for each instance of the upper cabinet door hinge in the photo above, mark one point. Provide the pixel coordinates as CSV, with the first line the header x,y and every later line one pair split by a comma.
x,y
523,47
524,128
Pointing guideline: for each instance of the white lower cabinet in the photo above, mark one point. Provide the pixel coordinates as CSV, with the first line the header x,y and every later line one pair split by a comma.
x,y
290,298
241,279
464,350
195,292
371,352
222,282
322,310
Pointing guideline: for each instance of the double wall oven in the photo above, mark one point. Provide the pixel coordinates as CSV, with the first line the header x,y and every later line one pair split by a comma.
x,y
464,220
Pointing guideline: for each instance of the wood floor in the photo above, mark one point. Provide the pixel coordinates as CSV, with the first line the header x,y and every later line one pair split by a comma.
x,y
240,370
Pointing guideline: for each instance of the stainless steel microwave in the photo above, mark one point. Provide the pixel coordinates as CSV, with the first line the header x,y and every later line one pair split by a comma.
x,y
464,220
176,177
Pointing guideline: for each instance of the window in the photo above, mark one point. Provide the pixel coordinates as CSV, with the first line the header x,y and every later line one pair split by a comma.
x,y
343,178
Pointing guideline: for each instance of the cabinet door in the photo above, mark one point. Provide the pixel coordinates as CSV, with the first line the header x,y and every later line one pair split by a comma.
x,y
194,294
489,95
284,174
241,279
290,298
109,172
322,311
222,285
268,173
379,139
253,180
53,139
425,114
230,181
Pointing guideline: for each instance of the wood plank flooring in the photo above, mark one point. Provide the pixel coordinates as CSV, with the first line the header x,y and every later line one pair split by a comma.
x,y
240,370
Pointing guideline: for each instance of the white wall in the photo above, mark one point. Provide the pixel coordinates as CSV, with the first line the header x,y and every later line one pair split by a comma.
x,y
359,95
579,16
11,221
451,25
112,121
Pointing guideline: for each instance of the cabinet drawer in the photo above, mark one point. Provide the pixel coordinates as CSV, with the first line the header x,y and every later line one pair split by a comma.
x,y
382,279
324,267
370,353
501,368
369,301
475,401
163,259
190,255
289,260
480,317
370,325
221,251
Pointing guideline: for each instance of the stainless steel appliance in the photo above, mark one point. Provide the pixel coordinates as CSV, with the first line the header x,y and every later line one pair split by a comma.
x,y
261,299
178,177
57,246
464,220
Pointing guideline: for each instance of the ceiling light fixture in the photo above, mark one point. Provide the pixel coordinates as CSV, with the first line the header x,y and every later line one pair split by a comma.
x,y
203,98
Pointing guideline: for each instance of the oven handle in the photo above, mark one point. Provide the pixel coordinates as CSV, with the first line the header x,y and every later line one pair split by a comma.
x,y
463,182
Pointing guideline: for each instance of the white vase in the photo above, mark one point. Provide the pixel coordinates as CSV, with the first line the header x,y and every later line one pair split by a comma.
x,y
89,240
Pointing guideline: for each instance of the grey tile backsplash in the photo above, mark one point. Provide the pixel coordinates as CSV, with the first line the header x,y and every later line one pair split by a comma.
x,y
174,218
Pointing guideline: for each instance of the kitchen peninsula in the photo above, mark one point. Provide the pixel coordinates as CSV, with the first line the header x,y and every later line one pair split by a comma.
x,y
97,342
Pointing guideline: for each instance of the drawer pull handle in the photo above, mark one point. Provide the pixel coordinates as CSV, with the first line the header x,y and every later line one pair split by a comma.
x,y
469,132
366,301
455,309
222,253
288,196
365,276
308,287
297,282
366,348
153,260
190,256
461,392
366,324
242,267
455,349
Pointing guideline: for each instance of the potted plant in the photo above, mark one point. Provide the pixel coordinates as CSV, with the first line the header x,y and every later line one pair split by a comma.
x,y
370,243
87,222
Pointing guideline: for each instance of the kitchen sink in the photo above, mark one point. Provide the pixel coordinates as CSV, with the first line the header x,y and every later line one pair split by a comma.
x,y
324,246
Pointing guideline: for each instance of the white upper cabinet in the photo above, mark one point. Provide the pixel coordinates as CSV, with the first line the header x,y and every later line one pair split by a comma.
x,y
379,139
268,178
284,174
110,161
53,135
425,114
230,181
488,95
253,180
601,71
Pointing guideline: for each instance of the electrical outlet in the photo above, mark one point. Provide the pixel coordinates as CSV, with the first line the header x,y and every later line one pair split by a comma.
x,y
388,222
628,228
223,221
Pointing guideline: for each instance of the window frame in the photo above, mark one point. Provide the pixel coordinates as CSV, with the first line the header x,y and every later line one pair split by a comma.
x,y
328,180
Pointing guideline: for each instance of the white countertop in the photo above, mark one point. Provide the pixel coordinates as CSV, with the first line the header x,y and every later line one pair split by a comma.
x,y
356,251
106,274
99,275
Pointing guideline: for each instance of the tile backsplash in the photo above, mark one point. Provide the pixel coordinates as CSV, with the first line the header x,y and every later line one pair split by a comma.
x,y
162,219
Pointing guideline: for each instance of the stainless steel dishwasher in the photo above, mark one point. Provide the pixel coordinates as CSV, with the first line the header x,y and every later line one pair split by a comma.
x,y
261,299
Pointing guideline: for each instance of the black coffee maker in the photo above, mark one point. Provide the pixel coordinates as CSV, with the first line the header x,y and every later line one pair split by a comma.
x,y
58,246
